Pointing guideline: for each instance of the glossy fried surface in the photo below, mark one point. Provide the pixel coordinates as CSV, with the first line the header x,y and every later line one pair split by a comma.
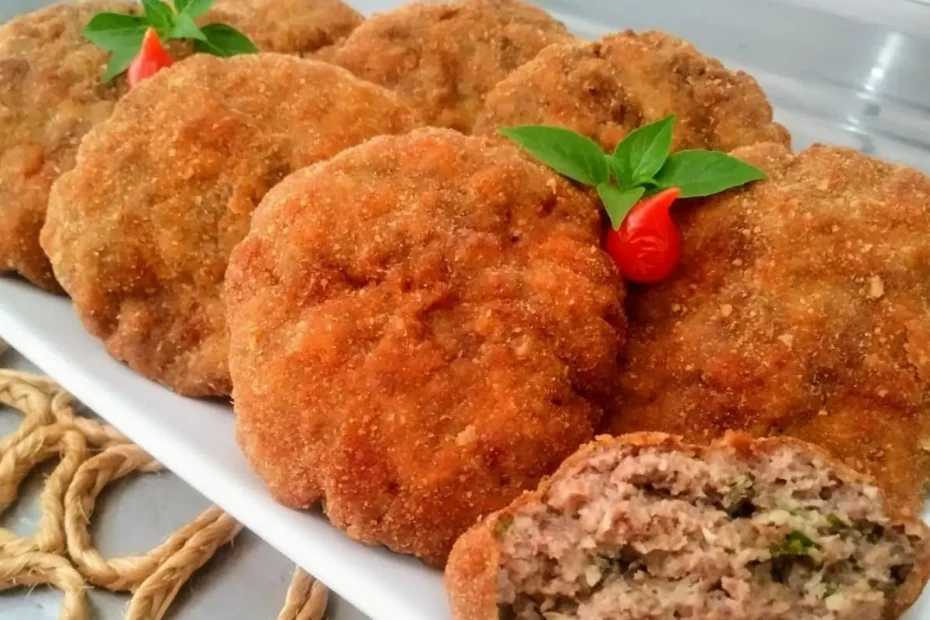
x,y
801,307
443,58
140,231
421,328
50,96
302,27
605,89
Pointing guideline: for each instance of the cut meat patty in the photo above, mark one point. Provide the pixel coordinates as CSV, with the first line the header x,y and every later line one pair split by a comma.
x,y
647,527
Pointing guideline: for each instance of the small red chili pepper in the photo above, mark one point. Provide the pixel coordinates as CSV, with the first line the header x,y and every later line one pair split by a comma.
x,y
647,246
151,59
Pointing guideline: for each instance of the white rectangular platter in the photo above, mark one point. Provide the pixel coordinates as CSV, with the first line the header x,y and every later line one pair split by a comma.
x,y
833,78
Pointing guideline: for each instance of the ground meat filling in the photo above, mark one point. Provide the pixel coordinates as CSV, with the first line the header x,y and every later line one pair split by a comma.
x,y
638,533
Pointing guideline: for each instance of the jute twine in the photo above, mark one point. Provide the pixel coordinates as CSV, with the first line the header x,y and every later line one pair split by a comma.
x,y
61,553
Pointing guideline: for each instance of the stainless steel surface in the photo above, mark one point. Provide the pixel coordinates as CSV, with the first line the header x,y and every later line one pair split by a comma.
x,y
246,581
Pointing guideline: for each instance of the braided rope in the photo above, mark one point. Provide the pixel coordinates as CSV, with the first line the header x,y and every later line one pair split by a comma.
x,y
31,400
306,598
97,434
44,443
116,574
38,569
156,593
51,428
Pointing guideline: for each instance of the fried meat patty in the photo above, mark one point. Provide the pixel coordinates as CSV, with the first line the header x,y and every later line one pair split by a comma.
x,y
647,527
605,89
801,307
421,328
51,94
443,58
139,232
302,27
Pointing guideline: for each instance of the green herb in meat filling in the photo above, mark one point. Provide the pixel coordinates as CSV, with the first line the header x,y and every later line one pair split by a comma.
x,y
837,522
794,544
794,547
504,524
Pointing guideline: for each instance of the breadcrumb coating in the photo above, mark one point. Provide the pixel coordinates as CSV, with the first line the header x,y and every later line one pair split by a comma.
x,y
605,89
301,27
801,307
421,328
140,231
50,96
443,58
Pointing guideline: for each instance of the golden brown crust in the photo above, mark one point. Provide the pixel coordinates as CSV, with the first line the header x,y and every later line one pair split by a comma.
x,y
45,58
801,307
50,96
471,575
140,231
443,58
301,27
605,89
421,328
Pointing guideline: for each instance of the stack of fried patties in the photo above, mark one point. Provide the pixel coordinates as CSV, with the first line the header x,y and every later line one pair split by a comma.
x,y
414,317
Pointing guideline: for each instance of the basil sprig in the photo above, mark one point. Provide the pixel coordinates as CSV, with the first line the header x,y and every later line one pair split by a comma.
x,y
641,164
121,35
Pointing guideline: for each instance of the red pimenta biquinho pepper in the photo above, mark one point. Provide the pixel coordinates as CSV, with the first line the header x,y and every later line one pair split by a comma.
x,y
151,59
647,246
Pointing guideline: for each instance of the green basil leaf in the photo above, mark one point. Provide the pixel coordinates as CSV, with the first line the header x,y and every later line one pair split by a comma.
x,y
185,28
641,154
224,40
113,31
119,62
703,173
618,202
620,171
568,153
194,8
160,16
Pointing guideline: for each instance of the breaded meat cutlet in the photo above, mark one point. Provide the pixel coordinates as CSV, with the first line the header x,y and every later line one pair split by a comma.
x,y
421,328
648,527
801,307
51,94
605,89
302,27
443,58
140,231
